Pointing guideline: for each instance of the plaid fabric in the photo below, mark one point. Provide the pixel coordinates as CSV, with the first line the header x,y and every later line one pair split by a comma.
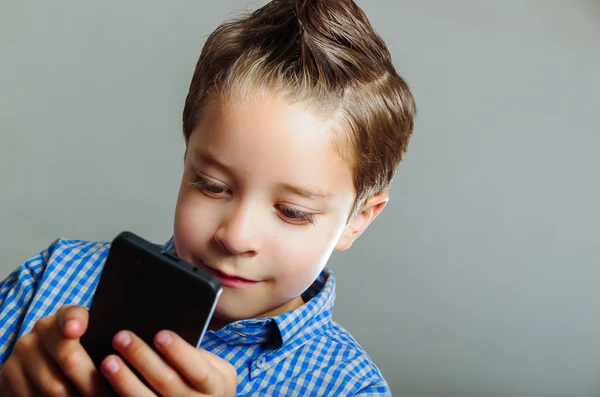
x,y
298,353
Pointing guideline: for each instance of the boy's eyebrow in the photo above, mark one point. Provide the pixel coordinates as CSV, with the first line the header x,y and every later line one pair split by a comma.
x,y
207,157
306,191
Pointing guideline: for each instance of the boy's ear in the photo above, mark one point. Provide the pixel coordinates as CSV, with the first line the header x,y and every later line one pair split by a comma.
x,y
358,224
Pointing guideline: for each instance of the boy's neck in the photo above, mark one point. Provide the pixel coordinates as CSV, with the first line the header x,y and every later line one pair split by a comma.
x,y
217,323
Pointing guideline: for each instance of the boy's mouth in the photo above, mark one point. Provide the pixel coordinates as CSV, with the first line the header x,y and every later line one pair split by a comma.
x,y
229,280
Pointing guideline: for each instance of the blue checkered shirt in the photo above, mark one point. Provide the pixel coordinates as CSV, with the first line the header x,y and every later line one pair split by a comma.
x,y
299,353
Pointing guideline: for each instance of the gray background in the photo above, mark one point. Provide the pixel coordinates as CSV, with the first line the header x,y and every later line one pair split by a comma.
x,y
480,279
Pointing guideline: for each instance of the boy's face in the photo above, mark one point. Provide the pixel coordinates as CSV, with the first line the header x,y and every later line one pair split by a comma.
x,y
265,199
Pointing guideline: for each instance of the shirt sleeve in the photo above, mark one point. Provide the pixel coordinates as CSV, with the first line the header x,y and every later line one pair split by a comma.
x,y
16,294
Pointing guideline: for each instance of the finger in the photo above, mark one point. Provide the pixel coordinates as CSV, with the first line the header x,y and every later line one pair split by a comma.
x,y
150,365
122,379
70,356
72,320
13,381
45,374
206,372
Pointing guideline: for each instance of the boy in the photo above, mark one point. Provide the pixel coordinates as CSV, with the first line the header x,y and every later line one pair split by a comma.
x,y
294,124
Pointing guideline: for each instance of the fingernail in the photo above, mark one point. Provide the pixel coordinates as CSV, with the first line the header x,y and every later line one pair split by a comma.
x,y
164,338
123,339
111,365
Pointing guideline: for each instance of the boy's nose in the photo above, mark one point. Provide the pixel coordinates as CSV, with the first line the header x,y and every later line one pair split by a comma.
x,y
236,234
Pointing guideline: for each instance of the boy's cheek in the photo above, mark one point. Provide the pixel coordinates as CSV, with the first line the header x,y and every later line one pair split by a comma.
x,y
297,265
194,211
192,229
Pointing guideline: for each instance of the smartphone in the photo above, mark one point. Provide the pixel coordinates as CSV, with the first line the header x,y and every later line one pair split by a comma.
x,y
145,289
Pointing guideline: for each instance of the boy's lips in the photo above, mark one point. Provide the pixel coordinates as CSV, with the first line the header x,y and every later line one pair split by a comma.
x,y
229,280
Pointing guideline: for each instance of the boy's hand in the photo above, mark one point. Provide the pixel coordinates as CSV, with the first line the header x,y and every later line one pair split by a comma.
x,y
182,370
51,361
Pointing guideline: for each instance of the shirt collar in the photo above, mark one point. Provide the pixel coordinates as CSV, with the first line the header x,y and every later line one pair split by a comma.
x,y
315,314
310,318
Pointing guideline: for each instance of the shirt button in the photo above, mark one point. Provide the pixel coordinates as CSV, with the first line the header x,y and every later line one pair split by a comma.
x,y
260,362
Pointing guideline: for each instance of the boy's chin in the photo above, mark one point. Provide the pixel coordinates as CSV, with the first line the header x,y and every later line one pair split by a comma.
x,y
229,312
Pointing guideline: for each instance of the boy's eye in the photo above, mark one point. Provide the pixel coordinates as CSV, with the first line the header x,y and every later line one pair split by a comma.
x,y
209,187
295,216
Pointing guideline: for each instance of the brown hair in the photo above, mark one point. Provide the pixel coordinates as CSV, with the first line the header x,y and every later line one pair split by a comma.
x,y
323,53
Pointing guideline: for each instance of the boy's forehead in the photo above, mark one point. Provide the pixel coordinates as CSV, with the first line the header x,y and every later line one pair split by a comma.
x,y
272,138
268,119
229,101
325,114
